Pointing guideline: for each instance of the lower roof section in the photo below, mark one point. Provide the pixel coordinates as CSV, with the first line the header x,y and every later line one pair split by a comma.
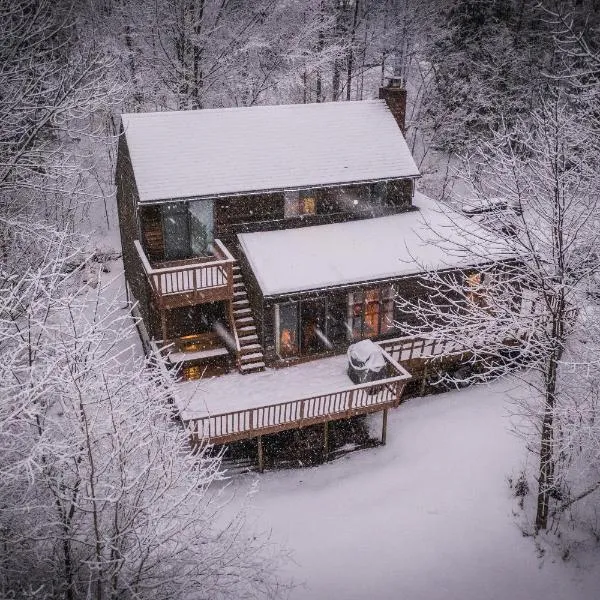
x,y
434,237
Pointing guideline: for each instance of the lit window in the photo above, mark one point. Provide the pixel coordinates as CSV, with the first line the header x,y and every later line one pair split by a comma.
x,y
371,312
190,373
308,205
474,289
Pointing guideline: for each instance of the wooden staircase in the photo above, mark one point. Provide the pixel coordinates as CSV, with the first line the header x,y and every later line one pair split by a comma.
x,y
252,357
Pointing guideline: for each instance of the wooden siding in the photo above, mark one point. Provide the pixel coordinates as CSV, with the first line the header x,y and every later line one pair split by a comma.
x,y
409,288
233,212
265,212
399,194
127,200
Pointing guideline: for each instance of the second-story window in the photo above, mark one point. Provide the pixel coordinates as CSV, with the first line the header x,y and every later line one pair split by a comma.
x,y
308,202
291,200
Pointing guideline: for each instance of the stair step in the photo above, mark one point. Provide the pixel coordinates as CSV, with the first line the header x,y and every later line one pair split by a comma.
x,y
240,304
247,329
248,339
236,268
259,366
250,348
238,285
237,276
247,358
240,294
242,312
244,321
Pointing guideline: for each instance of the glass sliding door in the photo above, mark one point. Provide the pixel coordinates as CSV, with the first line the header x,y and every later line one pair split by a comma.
x,y
312,317
335,320
286,330
188,229
201,227
176,232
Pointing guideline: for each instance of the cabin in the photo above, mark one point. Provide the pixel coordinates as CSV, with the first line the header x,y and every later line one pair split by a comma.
x,y
273,236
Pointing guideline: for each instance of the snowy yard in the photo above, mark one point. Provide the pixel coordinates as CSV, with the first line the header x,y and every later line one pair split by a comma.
x,y
429,516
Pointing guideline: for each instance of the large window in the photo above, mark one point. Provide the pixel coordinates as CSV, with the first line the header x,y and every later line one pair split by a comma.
x,y
188,229
371,312
318,325
310,326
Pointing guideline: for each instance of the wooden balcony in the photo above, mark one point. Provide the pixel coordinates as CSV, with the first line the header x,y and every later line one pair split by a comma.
x,y
190,281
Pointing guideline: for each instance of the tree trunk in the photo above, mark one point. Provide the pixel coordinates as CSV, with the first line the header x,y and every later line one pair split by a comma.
x,y
198,74
335,82
351,52
547,459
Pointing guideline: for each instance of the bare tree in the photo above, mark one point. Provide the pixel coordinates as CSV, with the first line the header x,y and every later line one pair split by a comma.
x,y
535,259
101,493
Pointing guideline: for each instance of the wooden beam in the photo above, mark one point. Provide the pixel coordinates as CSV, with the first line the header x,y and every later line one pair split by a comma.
x,y
384,427
326,440
261,461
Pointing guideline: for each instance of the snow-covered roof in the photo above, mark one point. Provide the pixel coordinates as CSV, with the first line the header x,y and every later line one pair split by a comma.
x,y
310,258
231,151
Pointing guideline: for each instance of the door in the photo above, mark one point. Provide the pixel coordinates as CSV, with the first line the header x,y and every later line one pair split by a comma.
x,y
201,227
176,233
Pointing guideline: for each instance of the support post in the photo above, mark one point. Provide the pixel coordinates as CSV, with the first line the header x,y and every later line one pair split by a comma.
x,y
261,462
384,427
326,440
423,381
163,324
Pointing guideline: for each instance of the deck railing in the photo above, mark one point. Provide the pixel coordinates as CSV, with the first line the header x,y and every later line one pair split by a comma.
x,y
408,348
213,276
338,404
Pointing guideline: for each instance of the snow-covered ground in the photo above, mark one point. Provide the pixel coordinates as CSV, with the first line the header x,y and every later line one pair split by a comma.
x,y
429,516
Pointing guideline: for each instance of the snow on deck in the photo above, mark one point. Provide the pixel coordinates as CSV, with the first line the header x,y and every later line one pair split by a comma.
x,y
229,151
309,258
233,392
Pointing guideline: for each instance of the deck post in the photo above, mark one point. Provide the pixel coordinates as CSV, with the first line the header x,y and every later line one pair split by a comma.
x,y
163,324
261,462
325,441
423,381
384,427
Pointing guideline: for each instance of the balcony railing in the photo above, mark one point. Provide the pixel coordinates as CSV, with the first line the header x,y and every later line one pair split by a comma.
x,y
193,280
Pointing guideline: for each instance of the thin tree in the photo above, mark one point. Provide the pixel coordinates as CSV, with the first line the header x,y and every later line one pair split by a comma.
x,y
535,259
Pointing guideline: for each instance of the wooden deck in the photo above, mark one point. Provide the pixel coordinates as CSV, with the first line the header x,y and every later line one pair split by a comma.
x,y
418,353
414,354
190,281
337,404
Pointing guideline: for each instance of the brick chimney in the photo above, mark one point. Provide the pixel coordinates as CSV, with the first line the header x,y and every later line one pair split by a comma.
x,y
395,97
